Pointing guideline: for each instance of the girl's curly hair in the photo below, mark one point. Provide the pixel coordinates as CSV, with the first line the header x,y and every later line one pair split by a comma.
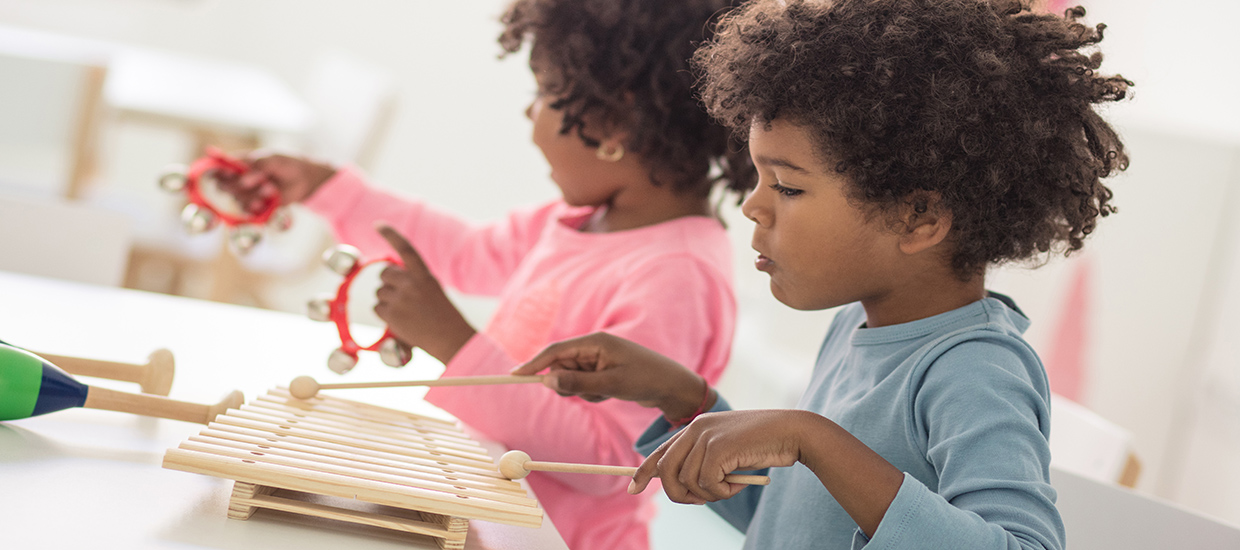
x,y
628,62
984,103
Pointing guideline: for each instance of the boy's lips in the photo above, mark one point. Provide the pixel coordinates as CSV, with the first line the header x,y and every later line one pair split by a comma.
x,y
762,263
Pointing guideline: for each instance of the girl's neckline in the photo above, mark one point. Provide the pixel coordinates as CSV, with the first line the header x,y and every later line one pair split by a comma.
x,y
576,219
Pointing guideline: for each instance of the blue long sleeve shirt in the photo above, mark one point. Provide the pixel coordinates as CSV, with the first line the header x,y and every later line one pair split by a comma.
x,y
959,402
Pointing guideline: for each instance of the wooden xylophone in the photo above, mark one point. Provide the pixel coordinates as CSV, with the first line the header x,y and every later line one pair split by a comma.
x,y
339,459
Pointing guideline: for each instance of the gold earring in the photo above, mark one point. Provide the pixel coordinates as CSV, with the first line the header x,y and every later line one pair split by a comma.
x,y
610,156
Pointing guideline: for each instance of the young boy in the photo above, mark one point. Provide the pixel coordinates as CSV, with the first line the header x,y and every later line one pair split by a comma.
x,y
903,146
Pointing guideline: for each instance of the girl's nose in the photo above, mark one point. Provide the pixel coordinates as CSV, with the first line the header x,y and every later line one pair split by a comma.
x,y
531,110
755,207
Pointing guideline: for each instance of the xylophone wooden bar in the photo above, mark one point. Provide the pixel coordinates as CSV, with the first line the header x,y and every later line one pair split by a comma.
x,y
337,459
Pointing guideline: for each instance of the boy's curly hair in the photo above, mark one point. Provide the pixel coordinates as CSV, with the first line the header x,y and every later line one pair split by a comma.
x,y
628,62
985,103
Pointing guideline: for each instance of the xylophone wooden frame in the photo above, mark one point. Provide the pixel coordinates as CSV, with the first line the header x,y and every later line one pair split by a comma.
x,y
344,460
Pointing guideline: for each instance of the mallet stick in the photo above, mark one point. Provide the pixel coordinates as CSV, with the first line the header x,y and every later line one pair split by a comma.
x,y
517,464
305,387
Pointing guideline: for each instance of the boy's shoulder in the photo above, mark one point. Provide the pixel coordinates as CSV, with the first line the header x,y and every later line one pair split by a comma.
x,y
996,313
986,332
988,353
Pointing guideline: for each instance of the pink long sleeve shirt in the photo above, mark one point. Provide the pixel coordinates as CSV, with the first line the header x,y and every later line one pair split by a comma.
x,y
667,286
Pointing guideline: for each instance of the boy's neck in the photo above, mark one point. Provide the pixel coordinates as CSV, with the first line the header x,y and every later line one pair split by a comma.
x,y
922,295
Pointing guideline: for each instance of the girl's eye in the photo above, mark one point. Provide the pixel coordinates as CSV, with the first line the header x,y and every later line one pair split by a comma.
x,y
786,191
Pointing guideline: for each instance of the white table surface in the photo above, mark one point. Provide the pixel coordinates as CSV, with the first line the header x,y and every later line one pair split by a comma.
x,y
202,92
177,88
87,478
1103,516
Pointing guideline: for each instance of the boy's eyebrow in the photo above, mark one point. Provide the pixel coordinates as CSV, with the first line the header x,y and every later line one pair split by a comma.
x,y
780,162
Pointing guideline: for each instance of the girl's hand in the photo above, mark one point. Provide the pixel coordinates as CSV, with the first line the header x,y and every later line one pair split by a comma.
x,y
292,179
415,307
692,462
598,366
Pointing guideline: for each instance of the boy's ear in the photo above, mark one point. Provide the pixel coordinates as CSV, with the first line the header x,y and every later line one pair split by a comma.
x,y
926,223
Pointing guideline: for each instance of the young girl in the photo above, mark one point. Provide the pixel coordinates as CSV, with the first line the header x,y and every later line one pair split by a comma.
x,y
902,147
632,249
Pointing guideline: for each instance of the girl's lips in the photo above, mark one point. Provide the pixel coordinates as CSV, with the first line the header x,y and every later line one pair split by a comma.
x,y
763,263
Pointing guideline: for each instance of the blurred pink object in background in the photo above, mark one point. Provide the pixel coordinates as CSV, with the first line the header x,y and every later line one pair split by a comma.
x,y
1058,6
1066,359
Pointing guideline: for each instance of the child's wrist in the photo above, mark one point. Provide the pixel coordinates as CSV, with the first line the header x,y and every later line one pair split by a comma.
x,y
317,174
817,438
451,344
691,401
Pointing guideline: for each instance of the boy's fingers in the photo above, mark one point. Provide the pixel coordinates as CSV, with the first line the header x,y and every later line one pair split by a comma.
x,y
408,255
647,470
703,481
601,383
567,351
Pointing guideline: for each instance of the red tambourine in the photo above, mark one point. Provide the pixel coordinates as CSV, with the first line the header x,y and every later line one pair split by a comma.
x,y
346,260
199,215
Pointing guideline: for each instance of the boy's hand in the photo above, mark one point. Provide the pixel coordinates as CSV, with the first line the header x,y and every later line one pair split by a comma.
x,y
415,307
692,462
292,179
598,366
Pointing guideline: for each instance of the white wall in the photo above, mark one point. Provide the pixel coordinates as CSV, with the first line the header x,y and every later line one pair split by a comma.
x,y
460,140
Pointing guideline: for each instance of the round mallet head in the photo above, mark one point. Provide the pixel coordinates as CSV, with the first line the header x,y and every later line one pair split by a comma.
x,y
303,387
512,465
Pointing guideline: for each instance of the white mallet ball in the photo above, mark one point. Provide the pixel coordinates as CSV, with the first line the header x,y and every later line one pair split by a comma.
x,y
512,465
303,387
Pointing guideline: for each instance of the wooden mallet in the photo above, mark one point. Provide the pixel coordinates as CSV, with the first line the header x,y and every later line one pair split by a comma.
x,y
306,387
154,377
517,464
30,386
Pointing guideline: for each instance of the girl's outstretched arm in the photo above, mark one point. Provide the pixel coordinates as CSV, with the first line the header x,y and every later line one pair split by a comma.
x,y
472,258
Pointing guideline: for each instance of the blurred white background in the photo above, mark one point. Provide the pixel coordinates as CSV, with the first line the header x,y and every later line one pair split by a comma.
x,y
1162,310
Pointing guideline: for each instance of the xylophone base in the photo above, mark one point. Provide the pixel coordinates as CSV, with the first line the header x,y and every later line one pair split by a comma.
x,y
448,532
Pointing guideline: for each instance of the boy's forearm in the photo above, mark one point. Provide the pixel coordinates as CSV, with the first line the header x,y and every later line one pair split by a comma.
x,y
861,480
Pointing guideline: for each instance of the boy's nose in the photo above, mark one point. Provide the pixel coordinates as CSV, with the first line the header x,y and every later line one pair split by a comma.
x,y
755,209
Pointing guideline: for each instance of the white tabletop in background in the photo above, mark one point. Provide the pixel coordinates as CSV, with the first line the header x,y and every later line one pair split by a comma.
x,y
86,478
204,92
178,88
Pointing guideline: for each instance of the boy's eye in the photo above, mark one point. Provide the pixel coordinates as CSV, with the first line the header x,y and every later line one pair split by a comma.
x,y
785,191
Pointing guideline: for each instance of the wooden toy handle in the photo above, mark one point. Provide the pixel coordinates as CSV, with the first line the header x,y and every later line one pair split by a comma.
x,y
155,377
159,407
571,468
